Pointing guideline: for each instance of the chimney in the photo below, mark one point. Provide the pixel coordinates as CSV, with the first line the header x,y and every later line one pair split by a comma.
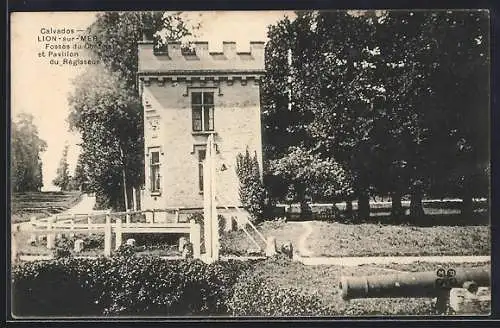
x,y
257,48
201,48
174,49
229,49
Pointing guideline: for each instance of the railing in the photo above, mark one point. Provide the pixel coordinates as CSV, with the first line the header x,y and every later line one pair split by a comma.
x,y
113,224
243,224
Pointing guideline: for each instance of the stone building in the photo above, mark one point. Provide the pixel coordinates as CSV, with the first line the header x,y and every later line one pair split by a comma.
x,y
187,97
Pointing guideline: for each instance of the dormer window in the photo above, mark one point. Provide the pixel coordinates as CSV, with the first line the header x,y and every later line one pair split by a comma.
x,y
202,104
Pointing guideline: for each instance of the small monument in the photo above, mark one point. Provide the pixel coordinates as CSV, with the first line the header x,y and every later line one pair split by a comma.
x,y
187,252
32,240
271,246
78,247
182,243
287,249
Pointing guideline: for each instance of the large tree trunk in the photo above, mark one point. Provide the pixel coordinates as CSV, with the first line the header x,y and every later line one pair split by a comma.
x,y
134,198
124,180
363,205
396,206
305,209
416,206
348,209
467,209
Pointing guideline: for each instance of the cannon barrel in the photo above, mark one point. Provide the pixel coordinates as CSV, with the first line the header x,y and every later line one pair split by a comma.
x,y
418,284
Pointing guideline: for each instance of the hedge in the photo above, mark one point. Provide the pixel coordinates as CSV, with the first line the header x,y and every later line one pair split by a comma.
x,y
123,285
253,296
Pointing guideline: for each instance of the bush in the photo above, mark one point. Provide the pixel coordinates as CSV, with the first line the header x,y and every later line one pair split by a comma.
x,y
254,297
252,192
93,241
63,247
123,285
54,288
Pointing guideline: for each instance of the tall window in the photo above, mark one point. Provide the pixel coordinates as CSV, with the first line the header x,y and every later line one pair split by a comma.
x,y
203,111
155,171
201,157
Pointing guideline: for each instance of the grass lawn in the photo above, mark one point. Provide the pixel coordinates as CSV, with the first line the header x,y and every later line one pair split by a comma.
x,y
366,239
237,242
323,281
335,239
41,204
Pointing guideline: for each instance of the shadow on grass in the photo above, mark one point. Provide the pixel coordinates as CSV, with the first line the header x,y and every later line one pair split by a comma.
x,y
432,220
382,216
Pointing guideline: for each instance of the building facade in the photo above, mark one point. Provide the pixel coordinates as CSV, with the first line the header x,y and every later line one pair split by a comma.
x,y
186,98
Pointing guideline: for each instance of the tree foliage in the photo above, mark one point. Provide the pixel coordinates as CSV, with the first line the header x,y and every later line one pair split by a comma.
x,y
399,99
310,176
25,162
118,33
63,179
109,117
251,191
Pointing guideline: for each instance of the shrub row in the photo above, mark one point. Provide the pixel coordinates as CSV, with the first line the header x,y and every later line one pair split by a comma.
x,y
149,286
122,285
254,296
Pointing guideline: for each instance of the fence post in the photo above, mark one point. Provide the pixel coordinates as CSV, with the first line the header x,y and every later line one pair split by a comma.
x,y
89,224
72,228
50,234
127,219
107,237
176,215
13,248
118,233
195,239
33,227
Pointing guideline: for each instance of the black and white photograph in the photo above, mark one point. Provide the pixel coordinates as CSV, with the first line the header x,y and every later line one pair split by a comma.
x,y
250,164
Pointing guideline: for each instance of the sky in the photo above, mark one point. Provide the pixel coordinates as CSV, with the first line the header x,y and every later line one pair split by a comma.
x,y
41,88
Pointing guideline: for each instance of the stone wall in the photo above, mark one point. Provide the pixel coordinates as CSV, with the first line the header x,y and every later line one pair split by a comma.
x,y
236,123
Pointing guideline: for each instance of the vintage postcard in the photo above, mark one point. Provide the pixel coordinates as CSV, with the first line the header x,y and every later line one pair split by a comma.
x,y
250,164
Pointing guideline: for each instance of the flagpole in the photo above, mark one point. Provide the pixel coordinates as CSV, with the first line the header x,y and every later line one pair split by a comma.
x,y
289,60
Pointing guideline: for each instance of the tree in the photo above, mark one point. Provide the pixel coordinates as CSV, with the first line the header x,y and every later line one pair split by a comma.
x,y
251,191
25,162
109,118
332,89
398,98
309,176
62,179
80,176
440,85
117,35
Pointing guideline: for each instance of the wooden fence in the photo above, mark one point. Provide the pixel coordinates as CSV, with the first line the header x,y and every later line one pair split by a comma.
x,y
115,224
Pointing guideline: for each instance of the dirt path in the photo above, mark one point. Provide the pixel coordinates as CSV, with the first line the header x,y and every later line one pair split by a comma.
x,y
301,245
84,206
